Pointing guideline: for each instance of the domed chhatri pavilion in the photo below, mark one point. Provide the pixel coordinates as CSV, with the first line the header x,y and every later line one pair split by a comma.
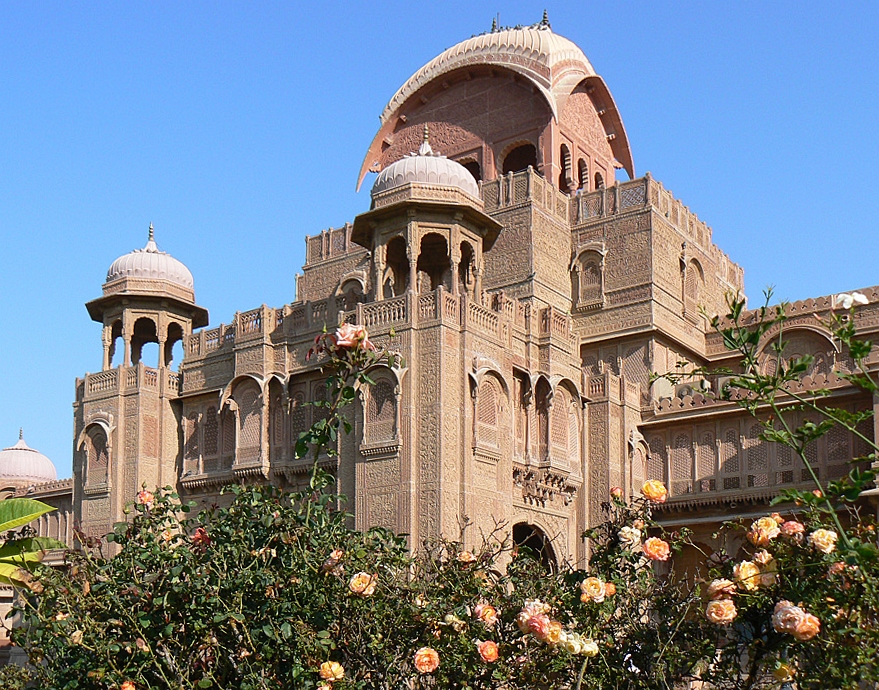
x,y
530,292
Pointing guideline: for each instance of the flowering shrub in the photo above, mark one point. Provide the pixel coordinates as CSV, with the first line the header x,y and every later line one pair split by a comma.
x,y
277,591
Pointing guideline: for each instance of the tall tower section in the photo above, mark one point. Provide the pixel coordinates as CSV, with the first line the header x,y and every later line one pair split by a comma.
x,y
126,420
499,104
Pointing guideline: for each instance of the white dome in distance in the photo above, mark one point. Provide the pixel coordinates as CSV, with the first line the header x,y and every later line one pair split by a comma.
x,y
152,264
21,466
428,168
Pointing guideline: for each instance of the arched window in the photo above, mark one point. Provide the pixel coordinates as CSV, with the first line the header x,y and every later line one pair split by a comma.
x,y
115,335
434,265
582,175
487,399
396,278
599,181
247,395
587,279
693,282
351,292
474,169
144,333
467,269
544,403
531,541
520,158
97,456
173,337
381,412
566,174
191,454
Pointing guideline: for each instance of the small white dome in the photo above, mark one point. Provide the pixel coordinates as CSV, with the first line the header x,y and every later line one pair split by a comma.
x,y
22,466
426,167
152,264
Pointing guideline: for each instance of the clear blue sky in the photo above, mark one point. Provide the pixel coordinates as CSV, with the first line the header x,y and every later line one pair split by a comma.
x,y
238,128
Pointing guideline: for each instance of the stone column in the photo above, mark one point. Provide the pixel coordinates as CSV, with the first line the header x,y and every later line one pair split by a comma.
x,y
106,340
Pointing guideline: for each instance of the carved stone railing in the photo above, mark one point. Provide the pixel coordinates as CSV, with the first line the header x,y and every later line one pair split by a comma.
x,y
386,312
513,189
102,381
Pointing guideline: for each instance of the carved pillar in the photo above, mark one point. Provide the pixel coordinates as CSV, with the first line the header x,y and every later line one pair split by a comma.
x,y
379,267
455,259
162,363
105,341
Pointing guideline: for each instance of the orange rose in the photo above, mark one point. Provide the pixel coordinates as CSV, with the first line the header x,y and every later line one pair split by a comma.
x,y
128,685
655,491
466,557
721,611
609,589
553,633
426,660
331,564
795,621
656,549
823,540
807,628
616,492
487,650
331,670
486,613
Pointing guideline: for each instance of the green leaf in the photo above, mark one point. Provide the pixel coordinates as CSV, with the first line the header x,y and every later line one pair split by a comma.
x,y
29,548
15,512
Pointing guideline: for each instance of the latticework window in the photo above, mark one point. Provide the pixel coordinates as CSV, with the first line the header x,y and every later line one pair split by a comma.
x,y
730,466
191,455
211,429
97,456
657,461
635,367
681,465
381,412
248,423
706,462
757,454
487,413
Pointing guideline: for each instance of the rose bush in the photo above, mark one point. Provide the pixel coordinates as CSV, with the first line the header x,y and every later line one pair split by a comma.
x,y
276,590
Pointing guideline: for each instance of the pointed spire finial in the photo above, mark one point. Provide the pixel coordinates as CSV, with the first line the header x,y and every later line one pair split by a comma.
x,y
21,433
493,24
425,149
545,20
152,234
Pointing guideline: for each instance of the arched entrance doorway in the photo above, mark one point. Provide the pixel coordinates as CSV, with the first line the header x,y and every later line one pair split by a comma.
x,y
531,541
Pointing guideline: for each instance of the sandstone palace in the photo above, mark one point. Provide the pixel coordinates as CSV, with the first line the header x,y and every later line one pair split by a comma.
x,y
530,293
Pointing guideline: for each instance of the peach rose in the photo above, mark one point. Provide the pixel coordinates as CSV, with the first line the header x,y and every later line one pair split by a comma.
x,y
638,524
747,575
656,549
787,618
426,660
763,531
655,491
593,589
777,517
837,568
331,670
363,584
538,625
721,589
487,650
823,540
793,530
616,492
532,607
486,613
466,557
128,685
609,589
721,611
145,498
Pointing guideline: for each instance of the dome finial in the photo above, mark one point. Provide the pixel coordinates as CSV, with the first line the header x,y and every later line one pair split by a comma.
x,y
545,20
151,245
152,237
21,433
425,149
493,24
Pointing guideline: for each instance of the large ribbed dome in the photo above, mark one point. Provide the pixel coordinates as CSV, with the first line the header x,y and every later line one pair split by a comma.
x,y
426,167
151,264
22,466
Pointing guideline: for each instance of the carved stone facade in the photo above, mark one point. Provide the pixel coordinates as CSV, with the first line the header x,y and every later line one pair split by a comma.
x,y
529,319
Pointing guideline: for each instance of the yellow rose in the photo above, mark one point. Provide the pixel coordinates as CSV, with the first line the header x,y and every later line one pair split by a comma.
x,y
763,531
331,670
655,491
783,672
823,540
721,611
363,584
593,589
747,575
